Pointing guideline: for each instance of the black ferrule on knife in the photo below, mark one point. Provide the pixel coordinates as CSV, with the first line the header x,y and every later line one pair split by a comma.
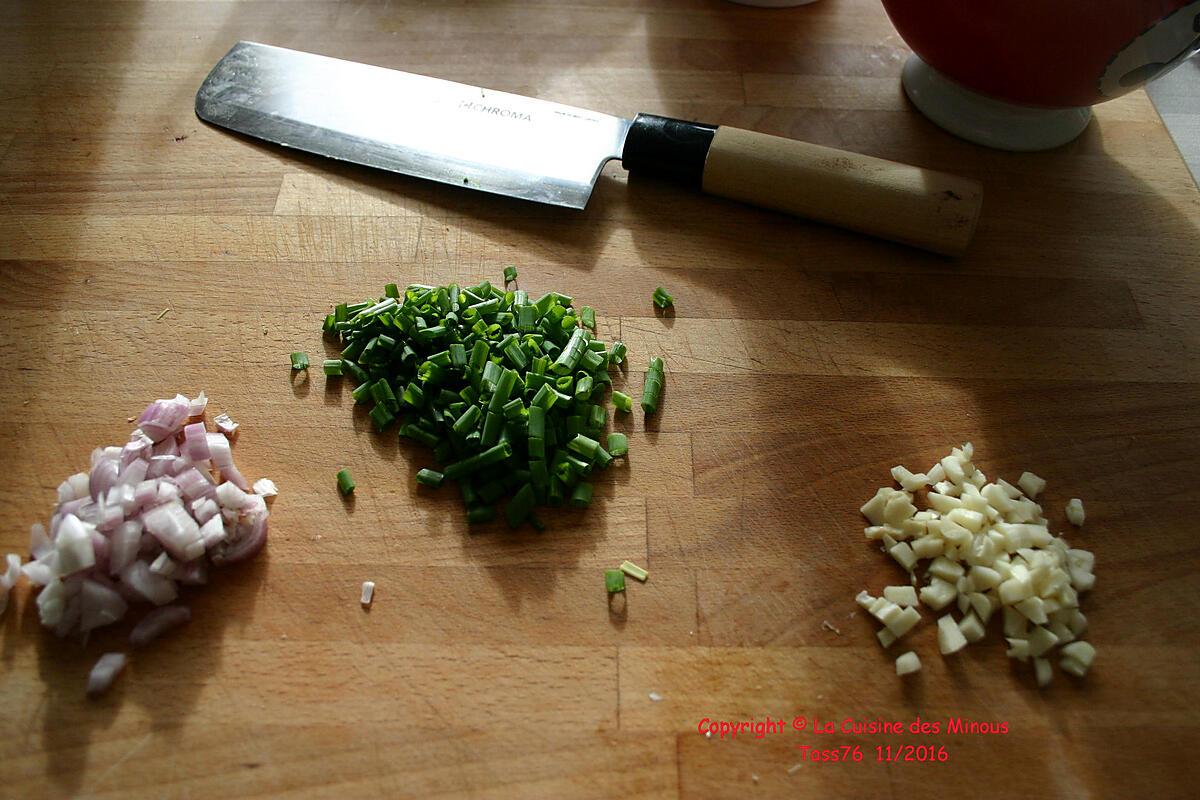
x,y
668,148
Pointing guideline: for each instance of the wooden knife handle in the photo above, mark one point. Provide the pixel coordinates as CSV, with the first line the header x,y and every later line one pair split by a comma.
x,y
920,207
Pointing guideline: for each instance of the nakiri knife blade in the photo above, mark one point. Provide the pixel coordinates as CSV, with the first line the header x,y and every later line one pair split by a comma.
x,y
538,150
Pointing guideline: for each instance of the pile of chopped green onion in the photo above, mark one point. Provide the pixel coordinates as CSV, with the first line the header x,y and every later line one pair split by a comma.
x,y
509,392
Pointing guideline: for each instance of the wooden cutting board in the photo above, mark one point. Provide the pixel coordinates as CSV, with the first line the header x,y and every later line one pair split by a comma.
x,y
803,362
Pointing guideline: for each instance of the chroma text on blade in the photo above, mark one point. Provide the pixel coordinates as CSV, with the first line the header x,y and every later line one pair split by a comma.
x,y
500,111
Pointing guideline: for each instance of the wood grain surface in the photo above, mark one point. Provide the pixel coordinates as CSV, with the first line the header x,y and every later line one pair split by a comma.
x,y
803,362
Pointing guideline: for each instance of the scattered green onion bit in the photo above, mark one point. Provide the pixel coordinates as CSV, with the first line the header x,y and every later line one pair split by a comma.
x,y
430,477
507,391
652,389
581,495
481,514
345,482
332,367
382,416
299,360
614,580
634,571
618,444
622,401
662,299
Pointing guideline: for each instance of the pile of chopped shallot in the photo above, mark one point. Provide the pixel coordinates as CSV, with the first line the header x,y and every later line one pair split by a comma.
x,y
147,517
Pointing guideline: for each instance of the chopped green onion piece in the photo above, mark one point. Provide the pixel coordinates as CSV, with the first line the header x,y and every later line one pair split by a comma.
x,y
617,354
602,458
545,397
581,495
345,482
491,375
618,444
413,395
516,355
652,389
485,307
579,466
569,358
554,494
481,514
491,491
634,571
510,274
493,424
584,446
514,409
588,315
381,392
430,477
479,355
661,298
477,462
527,318
299,360
421,435
391,291
537,422
356,373
591,360
622,401
382,416
614,581
332,367
538,474
520,507
361,393
468,421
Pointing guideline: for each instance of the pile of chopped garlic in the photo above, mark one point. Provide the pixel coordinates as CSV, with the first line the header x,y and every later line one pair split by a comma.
x,y
989,550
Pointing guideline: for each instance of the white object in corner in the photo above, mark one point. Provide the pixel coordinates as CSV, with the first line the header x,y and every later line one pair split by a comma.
x,y
986,121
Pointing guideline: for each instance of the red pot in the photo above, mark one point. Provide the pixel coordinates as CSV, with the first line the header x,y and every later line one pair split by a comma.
x,y
1050,53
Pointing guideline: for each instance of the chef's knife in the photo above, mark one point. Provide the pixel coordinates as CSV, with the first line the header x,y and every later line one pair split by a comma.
x,y
550,153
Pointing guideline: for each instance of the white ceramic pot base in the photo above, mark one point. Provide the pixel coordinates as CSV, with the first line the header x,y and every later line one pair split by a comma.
x,y
980,119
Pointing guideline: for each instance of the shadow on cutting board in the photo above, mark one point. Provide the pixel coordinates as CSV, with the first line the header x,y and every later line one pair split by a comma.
x,y
321,186
156,692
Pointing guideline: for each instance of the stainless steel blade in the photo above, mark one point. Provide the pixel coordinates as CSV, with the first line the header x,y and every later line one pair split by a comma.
x,y
397,121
